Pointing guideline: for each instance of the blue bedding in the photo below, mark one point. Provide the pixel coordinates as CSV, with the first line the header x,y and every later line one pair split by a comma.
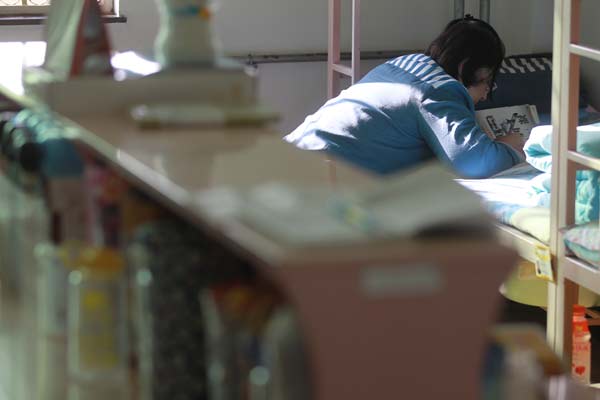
x,y
507,192
509,197
538,151
520,196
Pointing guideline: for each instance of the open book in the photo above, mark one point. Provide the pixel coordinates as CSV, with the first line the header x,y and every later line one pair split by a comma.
x,y
424,200
500,121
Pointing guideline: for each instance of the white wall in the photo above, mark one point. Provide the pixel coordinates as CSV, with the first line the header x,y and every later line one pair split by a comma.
x,y
590,36
298,89
258,26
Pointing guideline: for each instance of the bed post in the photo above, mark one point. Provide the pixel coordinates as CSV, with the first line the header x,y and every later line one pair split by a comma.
x,y
552,317
355,76
565,80
459,8
334,67
484,10
333,47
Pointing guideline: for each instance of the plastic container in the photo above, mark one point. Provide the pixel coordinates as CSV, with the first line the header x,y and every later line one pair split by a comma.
x,y
62,169
285,359
104,190
221,368
28,226
54,265
27,220
522,376
582,347
253,344
98,351
185,36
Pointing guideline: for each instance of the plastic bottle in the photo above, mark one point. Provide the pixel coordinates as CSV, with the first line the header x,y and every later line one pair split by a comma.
x,y
522,376
98,353
582,348
285,357
54,265
28,226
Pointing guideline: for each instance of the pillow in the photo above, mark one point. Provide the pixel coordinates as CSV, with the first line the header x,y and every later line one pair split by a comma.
x,y
587,115
584,242
524,79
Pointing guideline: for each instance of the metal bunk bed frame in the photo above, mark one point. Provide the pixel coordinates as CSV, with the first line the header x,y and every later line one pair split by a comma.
x,y
525,244
570,272
335,69
564,292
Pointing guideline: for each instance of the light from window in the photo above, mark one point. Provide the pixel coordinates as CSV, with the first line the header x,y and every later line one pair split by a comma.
x,y
16,3
28,6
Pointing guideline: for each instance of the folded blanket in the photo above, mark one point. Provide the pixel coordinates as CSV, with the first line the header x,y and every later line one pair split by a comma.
x,y
538,150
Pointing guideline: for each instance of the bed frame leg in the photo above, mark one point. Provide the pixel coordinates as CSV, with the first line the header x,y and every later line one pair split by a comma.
x,y
566,295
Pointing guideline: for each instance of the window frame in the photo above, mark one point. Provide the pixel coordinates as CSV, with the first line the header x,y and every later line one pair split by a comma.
x,y
112,9
23,10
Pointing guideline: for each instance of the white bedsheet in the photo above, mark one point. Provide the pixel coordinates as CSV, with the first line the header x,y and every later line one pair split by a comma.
x,y
508,196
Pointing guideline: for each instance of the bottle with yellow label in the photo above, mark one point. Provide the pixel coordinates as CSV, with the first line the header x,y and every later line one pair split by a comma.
x,y
98,355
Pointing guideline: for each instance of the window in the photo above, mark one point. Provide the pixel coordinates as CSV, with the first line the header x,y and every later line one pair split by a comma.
x,y
33,7
25,2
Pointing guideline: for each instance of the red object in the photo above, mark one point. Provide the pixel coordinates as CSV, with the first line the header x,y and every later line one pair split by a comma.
x,y
580,370
580,324
581,359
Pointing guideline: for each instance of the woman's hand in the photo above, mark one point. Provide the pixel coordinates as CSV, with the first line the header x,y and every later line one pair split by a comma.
x,y
514,140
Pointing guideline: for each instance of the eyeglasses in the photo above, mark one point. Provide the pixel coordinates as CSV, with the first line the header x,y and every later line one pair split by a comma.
x,y
490,84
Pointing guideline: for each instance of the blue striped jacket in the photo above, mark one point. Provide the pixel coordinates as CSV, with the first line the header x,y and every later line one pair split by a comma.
x,y
403,112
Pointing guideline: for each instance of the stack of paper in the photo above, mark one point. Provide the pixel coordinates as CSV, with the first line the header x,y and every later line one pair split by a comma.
x,y
423,200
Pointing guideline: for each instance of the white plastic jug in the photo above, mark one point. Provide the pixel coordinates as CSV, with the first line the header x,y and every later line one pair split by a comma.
x,y
185,36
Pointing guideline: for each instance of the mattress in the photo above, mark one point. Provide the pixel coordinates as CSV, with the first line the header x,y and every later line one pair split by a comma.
x,y
509,197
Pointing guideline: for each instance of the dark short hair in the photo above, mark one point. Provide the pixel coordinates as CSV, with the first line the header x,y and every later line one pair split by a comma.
x,y
471,40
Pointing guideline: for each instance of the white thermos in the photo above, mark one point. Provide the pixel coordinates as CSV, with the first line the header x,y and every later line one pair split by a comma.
x,y
185,37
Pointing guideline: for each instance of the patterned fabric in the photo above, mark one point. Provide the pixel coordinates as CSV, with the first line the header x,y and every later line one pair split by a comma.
x,y
522,65
584,242
538,150
520,196
509,198
181,262
525,79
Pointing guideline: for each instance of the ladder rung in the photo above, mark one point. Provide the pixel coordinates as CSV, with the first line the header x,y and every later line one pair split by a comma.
x,y
342,69
583,160
584,51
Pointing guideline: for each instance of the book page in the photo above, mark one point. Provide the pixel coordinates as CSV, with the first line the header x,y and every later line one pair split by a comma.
x,y
501,121
421,199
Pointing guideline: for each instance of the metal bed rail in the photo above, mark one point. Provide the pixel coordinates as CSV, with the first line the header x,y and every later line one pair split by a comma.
x,y
335,69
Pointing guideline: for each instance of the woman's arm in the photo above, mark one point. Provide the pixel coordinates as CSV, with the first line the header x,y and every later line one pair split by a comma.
x,y
514,140
450,129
